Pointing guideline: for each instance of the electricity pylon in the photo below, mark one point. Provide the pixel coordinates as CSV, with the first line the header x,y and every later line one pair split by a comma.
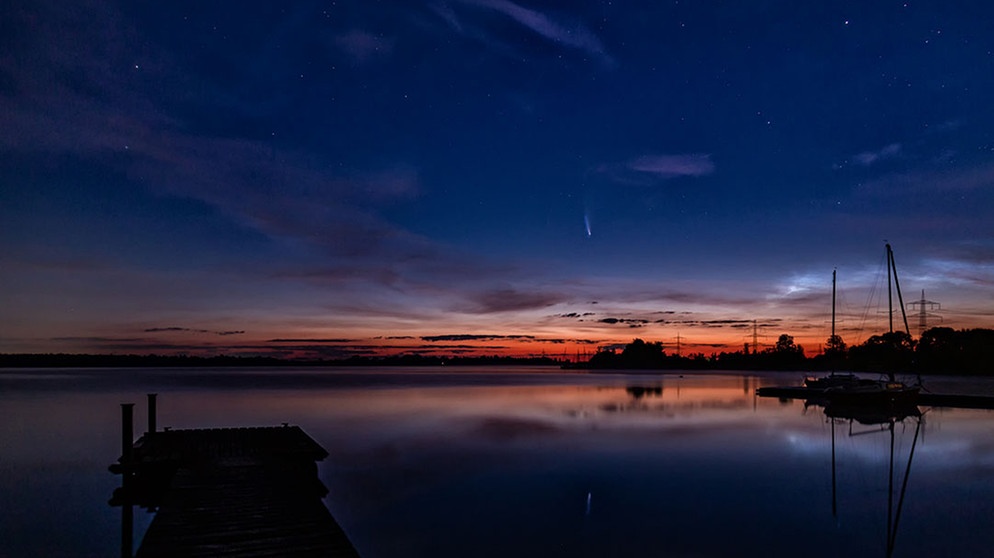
x,y
924,308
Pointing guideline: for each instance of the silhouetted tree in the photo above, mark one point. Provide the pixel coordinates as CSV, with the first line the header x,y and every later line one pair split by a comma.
x,y
978,351
834,357
606,359
835,346
785,355
639,354
887,352
940,350
785,345
967,351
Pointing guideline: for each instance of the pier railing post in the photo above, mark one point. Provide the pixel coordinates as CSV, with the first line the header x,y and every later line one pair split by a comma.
x,y
151,412
127,530
127,432
127,458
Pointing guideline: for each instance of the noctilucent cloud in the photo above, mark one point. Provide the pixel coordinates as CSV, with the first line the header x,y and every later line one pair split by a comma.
x,y
328,179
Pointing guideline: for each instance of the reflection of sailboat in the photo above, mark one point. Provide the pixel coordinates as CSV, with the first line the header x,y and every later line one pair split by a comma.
x,y
886,420
869,415
880,393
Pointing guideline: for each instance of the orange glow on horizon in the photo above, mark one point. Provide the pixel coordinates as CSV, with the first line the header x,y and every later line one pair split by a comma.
x,y
572,342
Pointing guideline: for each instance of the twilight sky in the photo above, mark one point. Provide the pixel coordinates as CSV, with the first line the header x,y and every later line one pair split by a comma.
x,y
495,176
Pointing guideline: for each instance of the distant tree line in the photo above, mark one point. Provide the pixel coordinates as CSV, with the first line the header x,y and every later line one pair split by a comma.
x,y
66,360
62,360
940,350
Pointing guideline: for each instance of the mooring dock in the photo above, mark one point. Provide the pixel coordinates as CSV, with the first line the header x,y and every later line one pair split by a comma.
x,y
226,492
960,401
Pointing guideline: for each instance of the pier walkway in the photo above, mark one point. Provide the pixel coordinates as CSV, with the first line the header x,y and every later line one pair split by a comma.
x,y
233,492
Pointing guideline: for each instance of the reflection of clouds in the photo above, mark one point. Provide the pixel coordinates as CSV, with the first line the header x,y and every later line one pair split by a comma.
x,y
411,422
803,442
672,409
505,429
948,454
958,454
939,449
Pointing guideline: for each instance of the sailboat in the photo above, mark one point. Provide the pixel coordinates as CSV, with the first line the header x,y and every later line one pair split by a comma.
x,y
889,392
834,379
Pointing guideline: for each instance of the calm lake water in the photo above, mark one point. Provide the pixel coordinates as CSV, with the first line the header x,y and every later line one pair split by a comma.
x,y
524,461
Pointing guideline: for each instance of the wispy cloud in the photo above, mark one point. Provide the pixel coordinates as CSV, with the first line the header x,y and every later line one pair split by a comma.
x,y
306,208
508,299
445,12
333,340
472,337
630,322
671,166
961,272
78,101
867,158
190,330
573,35
87,107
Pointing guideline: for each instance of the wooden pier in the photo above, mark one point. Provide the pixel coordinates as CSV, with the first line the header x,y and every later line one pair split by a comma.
x,y
245,492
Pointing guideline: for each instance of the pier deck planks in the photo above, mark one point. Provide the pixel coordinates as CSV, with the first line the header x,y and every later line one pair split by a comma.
x,y
246,492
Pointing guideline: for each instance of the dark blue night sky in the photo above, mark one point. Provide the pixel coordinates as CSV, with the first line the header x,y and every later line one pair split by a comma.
x,y
358,177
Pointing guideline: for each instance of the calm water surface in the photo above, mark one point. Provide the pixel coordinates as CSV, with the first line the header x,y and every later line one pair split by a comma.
x,y
526,462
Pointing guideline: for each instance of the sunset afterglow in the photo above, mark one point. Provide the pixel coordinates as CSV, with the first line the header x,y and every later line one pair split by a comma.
x,y
488,177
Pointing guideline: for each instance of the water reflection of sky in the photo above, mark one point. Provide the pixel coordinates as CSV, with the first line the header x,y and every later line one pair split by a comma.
x,y
538,464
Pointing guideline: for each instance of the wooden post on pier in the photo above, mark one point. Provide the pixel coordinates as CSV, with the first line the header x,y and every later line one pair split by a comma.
x,y
127,457
151,412
127,432
127,530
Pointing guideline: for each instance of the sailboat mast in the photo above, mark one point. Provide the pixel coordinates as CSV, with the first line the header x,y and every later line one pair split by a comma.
x,y
897,285
833,304
900,299
890,294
